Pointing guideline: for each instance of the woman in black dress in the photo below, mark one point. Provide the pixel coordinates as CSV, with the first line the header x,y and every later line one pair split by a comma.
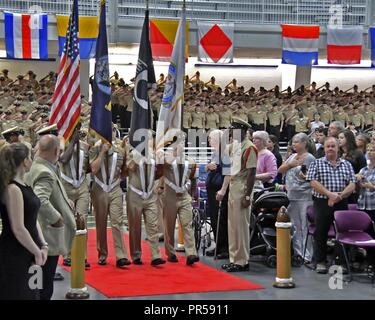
x,y
21,242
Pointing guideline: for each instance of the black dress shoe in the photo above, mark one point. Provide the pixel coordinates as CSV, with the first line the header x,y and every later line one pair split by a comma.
x,y
87,265
172,258
210,253
58,277
157,262
137,261
67,262
226,265
191,259
222,256
122,262
238,268
102,261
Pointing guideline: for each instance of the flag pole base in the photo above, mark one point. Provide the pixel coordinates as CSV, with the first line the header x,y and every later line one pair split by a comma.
x,y
77,294
284,285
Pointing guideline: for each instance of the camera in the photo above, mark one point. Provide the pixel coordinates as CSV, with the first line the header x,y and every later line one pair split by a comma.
x,y
304,169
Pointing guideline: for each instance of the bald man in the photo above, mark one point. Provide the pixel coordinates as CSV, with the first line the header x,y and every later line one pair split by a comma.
x,y
55,215
332,180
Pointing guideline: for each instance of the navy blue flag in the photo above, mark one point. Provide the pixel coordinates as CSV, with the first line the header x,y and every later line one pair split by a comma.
x,y
372,42
144,80
101,114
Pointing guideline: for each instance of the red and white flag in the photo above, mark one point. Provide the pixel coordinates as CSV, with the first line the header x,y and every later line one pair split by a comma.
x,y
344,45
215,42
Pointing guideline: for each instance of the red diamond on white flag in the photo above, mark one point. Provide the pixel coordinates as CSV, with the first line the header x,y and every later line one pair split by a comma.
x,y
215,42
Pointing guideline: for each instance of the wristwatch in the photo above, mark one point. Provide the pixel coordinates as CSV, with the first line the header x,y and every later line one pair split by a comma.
x,y
247,198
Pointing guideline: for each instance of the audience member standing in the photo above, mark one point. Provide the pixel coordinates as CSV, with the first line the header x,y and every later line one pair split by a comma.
x,y
56,213
366,179
218,168
21,242
273,146
266,165
299,191
333,181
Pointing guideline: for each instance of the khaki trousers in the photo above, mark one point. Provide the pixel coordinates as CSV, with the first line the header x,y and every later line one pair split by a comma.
x,y
80,197
108,204
136,207
174,205
238,224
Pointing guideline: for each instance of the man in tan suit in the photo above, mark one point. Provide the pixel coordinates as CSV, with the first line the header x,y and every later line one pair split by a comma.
x,y
241,180
55,215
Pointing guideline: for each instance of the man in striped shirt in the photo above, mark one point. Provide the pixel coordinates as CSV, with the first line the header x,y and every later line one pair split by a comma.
x,y
333,181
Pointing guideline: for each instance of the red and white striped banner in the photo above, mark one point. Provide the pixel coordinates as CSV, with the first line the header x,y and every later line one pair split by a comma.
x,y
344,45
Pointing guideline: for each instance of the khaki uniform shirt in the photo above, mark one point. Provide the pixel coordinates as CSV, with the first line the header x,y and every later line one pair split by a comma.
x,y
369,117
326,115
69,170
357,120
258,117
198,120
212,120
186,120
341,116
225,118
108,180
309,112
275,118
293,115
302,124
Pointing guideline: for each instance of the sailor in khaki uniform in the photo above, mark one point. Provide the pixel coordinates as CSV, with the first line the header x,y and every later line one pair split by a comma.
x,y
225,117
75,182
177,200
326,115
141,200
276,121
197,119
107,165
212,119
258,118
357,119
241,180
341,115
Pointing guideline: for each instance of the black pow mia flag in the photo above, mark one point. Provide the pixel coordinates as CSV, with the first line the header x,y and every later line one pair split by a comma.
x,y
144,80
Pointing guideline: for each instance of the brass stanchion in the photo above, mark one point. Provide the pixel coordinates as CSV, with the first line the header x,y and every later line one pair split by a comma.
x,y
283,246
78,288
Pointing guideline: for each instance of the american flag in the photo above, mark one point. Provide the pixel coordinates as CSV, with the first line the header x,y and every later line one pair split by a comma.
x,y
66,100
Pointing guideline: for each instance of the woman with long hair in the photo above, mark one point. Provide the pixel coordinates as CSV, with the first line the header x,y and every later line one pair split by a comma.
x,y
366,180
349,151
299,191
361,141
21,242
273,146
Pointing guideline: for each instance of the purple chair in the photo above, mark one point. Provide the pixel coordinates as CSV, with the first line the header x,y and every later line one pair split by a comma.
x,y
311,228
352,206
351,227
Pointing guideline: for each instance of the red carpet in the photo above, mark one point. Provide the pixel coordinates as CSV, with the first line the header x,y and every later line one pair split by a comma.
x,y
145,280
